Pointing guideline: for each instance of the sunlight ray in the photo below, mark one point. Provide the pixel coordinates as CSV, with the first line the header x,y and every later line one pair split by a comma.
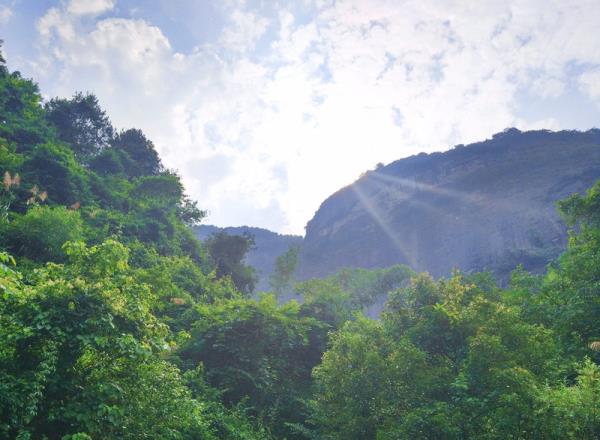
x,y
420,186
413,201
405,196
373,211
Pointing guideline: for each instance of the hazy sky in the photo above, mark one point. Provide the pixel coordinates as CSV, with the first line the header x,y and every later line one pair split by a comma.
x,y
267,107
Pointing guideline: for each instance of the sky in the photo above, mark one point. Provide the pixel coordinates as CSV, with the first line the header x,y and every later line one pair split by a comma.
x,y
266,107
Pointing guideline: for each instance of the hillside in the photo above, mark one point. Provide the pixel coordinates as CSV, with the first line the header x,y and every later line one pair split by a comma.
x,y
267,247
488,205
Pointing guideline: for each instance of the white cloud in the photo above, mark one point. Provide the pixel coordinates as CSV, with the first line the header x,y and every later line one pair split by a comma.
x,y
89,7
56,23
5,14
263,137
245,30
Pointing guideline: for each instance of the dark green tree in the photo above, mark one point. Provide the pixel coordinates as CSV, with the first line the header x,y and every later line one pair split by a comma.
x,y
228,253
54,168
81,122
144,160
259,353
23,119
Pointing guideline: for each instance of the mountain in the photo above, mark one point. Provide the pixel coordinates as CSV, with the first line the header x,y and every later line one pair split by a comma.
x,y
488,205
268,246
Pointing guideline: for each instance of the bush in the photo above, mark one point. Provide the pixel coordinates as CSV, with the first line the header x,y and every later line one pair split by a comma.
x,y
40,234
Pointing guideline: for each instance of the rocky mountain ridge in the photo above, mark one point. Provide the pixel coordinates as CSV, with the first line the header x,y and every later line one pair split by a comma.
x,y
485,206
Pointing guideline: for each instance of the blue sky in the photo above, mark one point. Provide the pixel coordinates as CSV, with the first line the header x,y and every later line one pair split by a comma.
x,y
267,107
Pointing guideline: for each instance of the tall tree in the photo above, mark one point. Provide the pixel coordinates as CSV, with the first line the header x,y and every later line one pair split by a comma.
x,y
141,151
81,122
228,253
285,266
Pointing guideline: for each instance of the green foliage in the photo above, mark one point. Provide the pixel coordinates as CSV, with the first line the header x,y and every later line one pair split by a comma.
x,y
257,351
283,273
143,158
178,284
156,211
21,113
130,155
66,152
572,412
366,286
79,353
566,297
111,161
53,167
578,209
363,378
80,122
226,423
352,289
448,360
326,301
72,318
39,235
87,347
77,436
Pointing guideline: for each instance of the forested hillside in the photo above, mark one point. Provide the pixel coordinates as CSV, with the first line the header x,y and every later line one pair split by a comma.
x,y
117,323
485,206
265,248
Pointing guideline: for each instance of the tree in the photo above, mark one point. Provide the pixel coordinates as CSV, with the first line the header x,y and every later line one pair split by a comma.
x,y
567,299
256,352
40,234
368,384
572,411
23,119
144,160
326,301
2,60
77,355
111,162
54,168
81,122
228,253
283,273
448,360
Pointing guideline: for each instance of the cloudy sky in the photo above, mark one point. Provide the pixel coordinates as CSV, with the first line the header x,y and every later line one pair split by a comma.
x,y
267,107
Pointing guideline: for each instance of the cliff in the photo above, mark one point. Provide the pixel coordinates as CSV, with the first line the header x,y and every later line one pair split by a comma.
x,y
485,206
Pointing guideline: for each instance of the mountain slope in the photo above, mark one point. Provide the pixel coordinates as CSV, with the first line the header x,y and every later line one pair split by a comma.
x,y
489,205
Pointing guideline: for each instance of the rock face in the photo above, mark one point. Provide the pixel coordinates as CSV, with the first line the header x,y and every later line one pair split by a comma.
x,y
268,246
488,205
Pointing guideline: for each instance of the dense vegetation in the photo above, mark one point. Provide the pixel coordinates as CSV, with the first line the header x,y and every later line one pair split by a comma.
x,y
116,323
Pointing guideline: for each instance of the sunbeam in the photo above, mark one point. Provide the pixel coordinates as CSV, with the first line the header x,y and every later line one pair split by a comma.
x,y
420,186
471,198
373,211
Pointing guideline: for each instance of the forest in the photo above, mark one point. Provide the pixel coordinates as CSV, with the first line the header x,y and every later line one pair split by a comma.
x,y
117,323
